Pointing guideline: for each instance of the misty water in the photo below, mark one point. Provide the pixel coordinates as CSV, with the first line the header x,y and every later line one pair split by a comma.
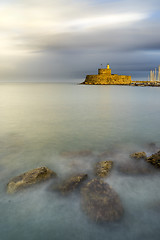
x,y
39,122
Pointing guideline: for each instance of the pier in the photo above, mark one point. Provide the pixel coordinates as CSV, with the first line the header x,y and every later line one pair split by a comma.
x,y
146,83
153,79
105,77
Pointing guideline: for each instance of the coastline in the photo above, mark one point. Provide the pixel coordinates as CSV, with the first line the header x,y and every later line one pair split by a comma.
x,y
105,77
145,84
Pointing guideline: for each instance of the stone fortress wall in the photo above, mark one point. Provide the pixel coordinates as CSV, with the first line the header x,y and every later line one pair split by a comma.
x,y
104,77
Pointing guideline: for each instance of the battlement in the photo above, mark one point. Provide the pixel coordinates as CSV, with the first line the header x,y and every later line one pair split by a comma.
x,y
104,77
104,71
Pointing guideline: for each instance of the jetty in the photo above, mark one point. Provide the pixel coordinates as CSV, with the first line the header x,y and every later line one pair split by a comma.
x,y
105,77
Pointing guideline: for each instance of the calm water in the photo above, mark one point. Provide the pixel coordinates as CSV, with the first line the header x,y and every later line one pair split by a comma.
x,y
38,122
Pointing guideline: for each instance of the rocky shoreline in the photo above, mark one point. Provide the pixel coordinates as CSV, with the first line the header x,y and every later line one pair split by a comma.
x,y
98,200
133,84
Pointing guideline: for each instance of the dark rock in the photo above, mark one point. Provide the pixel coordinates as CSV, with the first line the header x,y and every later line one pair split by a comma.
x,y
100,202
132,169
103,168
107,154
74,154
152,147
72,183
154,159
138,155
29,178
155,206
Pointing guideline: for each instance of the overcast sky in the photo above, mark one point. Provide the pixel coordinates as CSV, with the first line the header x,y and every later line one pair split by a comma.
x,y
55,39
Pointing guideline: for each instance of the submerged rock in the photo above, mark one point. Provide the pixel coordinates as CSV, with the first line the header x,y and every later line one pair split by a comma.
x,y
152,147
74,154
155,206
72,183
103,168
100,202
107,154
154,159
29,178
133,169
138,155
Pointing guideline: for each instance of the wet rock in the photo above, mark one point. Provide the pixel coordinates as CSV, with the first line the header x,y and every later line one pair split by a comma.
x,y
29,178
72,183
132,169
154,159
155,206
103,168
80,165
74,154
152,147
100,202
107,154
138,155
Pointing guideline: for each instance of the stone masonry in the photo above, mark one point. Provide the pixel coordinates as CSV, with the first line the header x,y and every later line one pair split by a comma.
x,y
104,77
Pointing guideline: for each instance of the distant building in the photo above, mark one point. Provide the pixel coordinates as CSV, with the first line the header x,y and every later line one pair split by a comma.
x,y
104,77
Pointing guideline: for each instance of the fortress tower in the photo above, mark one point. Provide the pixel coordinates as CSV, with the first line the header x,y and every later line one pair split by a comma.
x,y
106,71
104,77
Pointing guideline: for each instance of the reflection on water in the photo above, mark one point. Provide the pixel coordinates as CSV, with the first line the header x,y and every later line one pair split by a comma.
x,y
40,123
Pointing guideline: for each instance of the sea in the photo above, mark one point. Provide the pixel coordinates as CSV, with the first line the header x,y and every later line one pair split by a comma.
x,y
53,125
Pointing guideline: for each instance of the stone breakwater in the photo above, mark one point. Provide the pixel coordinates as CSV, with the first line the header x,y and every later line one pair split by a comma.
x,y
117,80
104,77
145,83
108,80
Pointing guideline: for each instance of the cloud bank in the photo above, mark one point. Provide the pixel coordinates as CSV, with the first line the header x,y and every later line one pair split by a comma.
x,y
67,39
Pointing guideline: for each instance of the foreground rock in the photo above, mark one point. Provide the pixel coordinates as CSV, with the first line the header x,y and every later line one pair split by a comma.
x,y
152,147
74,154
103,168
134,169
155,206
100,202
106,154
29,178
154,159
138,155
72,183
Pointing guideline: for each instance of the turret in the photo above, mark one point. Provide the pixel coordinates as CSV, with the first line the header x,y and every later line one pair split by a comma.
x,y
106,71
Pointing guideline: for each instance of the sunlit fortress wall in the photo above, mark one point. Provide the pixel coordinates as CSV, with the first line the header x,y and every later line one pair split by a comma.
x,y
104,76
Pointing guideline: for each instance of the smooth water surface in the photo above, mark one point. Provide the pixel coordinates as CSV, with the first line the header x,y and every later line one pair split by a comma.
x,y
39,122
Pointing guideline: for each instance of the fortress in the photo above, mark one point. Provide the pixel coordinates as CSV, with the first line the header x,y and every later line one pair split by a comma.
x,y
104,77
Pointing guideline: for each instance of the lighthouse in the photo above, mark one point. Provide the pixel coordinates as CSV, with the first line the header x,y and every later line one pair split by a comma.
x,y
106,71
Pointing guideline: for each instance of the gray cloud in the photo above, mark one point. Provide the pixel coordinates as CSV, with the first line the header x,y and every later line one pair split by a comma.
x,y
57,40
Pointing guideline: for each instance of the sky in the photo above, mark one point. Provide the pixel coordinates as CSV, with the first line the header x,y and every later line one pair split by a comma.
x,y
67,39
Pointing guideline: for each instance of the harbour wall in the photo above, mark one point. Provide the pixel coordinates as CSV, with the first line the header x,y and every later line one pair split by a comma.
x,y
108,79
